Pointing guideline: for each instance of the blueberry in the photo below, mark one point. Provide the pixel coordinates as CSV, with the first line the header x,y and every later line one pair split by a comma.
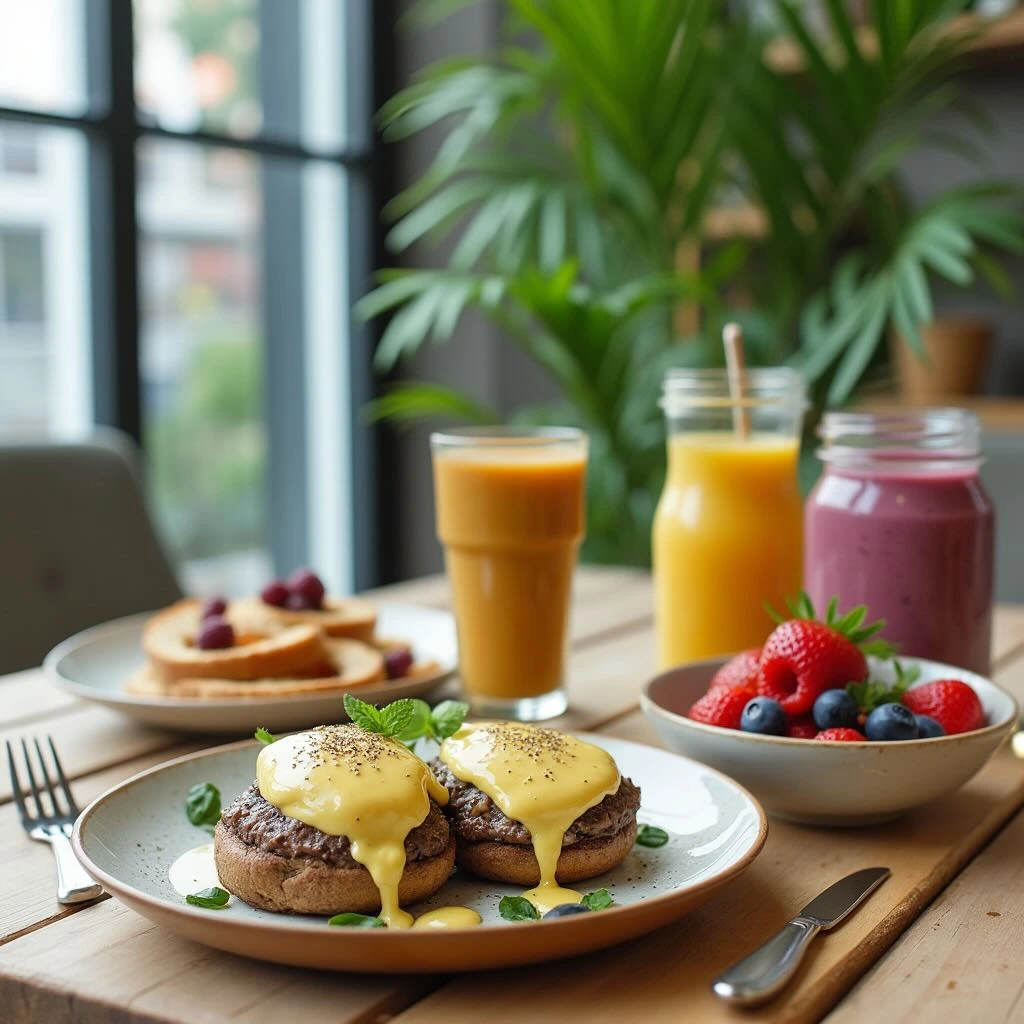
x,y
891,722
927,727
765,716
567,909
835,709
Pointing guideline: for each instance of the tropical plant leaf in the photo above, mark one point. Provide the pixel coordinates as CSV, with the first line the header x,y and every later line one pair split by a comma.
x,y
413,401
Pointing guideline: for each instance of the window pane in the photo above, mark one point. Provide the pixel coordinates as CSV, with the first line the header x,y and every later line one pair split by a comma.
x,y
45,365
244,68
201,360
42,55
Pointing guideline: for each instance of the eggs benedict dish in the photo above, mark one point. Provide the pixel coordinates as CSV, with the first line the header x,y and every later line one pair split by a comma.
x,y
339,820
533,806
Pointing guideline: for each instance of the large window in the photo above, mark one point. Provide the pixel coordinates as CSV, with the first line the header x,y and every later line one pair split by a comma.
x,y
185,220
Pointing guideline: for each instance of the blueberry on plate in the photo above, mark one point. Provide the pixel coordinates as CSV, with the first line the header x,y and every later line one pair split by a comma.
x,y
835,709
928,728
891,722
568,909
764,716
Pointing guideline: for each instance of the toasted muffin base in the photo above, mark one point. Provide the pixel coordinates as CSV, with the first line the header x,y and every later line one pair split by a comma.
x,y
517,864
305,886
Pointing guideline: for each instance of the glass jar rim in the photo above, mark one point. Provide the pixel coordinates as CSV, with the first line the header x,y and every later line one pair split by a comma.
x,y
506,436
915,438
779,386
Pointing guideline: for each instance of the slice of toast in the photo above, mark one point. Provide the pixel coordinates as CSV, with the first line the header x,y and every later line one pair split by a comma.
x,y
339,617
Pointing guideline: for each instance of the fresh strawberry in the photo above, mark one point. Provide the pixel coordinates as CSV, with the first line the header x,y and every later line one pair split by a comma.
x,y
802,728
722,707
804,657
952,703
738,671
841,736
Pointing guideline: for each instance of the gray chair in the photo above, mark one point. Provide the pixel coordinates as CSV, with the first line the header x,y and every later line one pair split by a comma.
x,y
76,544
1003,474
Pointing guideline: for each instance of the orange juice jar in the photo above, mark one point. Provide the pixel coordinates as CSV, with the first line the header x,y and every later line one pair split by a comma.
x,y
728,533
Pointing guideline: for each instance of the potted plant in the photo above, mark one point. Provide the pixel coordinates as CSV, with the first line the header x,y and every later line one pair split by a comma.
x,y
580,160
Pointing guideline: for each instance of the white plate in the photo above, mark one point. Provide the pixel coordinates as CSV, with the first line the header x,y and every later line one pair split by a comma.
x,y
129,837
96,663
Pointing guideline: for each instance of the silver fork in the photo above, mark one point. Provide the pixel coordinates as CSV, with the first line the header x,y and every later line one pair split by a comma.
x,y
73,883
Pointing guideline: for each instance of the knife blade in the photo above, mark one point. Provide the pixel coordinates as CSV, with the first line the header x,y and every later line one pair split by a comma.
x,y
764,972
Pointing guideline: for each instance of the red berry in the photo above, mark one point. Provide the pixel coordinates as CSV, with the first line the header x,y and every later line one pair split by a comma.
x,y
802,728
952,703
841,736
215,633
739,671
398,662
803,658
214,606
722,707
296,602
309,585
275,593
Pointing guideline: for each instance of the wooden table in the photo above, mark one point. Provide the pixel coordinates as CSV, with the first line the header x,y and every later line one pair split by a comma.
x,y
941,941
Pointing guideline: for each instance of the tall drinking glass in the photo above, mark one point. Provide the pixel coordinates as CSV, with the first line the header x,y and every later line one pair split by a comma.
x,y
510,514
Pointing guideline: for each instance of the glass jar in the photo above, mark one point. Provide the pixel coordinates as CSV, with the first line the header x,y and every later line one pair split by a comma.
x,y
727,533
901,522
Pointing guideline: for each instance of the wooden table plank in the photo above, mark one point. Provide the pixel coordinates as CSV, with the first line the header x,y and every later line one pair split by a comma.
x,y
963,959
657,978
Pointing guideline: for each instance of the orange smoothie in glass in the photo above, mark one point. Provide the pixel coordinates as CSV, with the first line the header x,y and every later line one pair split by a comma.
x,y
510,513
728,531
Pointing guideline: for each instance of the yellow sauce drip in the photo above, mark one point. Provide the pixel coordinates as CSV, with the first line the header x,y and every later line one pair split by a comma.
x,y
539,777
194,871
449,917
348,782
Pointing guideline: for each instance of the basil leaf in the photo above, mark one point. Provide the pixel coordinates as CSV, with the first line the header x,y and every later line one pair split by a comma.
x,y
366,716
356,921
651,835
597,900
202,804
447,718
397,716
265,736
211,899
517,908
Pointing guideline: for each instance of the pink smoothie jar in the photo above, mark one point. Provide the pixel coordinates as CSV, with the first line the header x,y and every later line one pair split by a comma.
x,y
901,522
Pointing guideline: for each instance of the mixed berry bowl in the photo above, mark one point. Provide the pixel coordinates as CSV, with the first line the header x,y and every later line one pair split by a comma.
x,y
826,783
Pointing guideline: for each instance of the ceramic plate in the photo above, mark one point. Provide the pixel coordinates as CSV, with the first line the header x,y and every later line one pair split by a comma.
x,y
129,837
95,664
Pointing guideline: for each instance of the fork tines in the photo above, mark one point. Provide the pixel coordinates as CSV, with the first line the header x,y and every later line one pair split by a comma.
x,y
35,792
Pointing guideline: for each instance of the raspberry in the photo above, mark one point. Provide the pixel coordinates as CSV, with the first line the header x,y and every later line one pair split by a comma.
x,y
309,585
722,707
802,728
215,633
840,735
214,606
275,593
398,662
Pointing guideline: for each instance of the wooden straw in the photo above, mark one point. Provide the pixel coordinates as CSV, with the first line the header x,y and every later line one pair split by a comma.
x,y
732,338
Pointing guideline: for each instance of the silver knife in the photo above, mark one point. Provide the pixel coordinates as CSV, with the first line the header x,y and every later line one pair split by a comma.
x,y
759,976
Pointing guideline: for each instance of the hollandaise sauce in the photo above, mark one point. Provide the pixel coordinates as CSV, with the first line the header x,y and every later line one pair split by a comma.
x,y
448,917
194,871
348,782
539,777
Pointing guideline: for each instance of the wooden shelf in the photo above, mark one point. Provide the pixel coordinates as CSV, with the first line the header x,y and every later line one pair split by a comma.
x,y
999,37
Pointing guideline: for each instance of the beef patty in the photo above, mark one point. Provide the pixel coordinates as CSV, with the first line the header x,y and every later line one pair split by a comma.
x,y
256,822
476,818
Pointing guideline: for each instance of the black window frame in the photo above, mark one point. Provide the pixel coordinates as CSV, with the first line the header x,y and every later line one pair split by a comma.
x,y
113,128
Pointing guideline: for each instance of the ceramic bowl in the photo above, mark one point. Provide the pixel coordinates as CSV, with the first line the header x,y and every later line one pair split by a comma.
x,y
819,783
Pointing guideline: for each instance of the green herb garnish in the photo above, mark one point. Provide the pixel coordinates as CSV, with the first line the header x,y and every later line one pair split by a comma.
x,y
599,899
202,805
212,899
265,736
356,921
517,908
651,835
408,719
874,693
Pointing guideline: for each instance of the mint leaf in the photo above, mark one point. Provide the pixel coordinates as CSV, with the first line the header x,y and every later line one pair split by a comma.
x,y
202,804
419,723
517,908
447,718
265,736
397,716
599,899
356,921
651,835
366,716
211,899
